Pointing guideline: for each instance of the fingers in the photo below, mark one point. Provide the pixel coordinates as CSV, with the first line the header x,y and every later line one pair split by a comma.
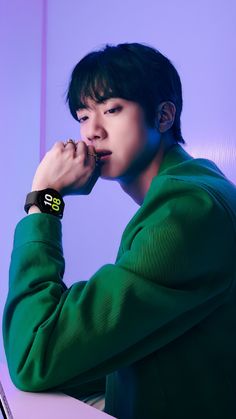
x,y
59,146
70,146
92,156
65,145
79,149
81,153
87,153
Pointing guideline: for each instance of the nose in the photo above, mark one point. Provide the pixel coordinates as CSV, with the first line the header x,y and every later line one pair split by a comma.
x,y
94,131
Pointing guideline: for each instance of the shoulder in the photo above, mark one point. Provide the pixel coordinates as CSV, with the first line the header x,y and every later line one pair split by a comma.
x,y
179,208
181,228
196,179
178,195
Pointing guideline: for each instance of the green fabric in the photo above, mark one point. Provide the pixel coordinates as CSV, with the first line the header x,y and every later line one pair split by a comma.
x,y
159,325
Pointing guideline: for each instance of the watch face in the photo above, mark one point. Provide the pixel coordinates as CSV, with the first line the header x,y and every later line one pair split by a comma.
x,y
51,202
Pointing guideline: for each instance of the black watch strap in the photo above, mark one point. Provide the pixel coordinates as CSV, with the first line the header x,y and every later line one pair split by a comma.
x,y
47,200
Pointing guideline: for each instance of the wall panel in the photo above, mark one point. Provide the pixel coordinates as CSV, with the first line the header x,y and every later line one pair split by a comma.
x,y
20,87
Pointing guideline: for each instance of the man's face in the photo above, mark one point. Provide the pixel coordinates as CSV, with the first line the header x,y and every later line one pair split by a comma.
x,y
119,126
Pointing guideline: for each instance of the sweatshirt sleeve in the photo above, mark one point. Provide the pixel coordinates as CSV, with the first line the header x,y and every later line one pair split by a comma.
x,y
172,275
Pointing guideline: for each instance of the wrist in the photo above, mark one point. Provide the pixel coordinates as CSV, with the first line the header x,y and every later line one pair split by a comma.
x,y
34,210
41,187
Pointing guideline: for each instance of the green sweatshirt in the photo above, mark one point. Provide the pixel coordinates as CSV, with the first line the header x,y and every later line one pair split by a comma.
x,y
156,330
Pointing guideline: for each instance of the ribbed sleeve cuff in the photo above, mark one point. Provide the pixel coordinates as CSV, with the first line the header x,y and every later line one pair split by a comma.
x,y
38,228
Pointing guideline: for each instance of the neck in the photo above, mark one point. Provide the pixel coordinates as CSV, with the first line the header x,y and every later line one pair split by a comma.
x,y
137,187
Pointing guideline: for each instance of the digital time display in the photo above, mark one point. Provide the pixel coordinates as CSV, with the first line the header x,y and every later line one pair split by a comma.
x,y
54,203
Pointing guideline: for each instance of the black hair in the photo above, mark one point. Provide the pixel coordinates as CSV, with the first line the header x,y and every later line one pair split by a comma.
x,y
131,71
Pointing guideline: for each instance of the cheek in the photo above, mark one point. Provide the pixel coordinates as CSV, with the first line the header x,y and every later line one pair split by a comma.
x,y
130,134
136,141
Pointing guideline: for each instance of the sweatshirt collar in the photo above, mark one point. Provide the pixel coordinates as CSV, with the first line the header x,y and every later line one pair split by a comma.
x,y
174,155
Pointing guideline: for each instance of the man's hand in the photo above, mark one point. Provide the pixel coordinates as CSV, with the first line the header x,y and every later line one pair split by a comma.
x,y
69,170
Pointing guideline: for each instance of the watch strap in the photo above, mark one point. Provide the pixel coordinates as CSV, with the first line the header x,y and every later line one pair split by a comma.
x,y
31,199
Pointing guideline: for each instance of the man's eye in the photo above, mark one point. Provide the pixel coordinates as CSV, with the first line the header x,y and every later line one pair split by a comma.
x,y
114,109
81,119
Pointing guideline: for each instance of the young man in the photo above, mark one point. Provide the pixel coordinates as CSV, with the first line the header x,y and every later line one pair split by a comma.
x,y
158,325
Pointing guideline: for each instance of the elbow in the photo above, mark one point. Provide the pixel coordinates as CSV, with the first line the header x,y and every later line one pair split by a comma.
x,y
26,378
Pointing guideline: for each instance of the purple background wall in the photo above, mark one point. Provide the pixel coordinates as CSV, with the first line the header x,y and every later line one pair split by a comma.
x,y
20,92
40,44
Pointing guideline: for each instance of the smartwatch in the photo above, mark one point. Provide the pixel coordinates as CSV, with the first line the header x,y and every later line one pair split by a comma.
x,y
48,201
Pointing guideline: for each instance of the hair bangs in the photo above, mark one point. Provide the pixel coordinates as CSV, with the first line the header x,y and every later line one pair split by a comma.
x,y
96,80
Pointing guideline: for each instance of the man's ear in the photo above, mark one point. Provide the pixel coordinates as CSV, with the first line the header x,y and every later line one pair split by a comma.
x,y
165,116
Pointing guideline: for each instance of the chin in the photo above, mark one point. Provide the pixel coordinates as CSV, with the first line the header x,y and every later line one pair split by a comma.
x,y
111,173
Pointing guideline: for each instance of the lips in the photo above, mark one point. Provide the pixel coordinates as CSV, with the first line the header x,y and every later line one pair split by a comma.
x,y
101,153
